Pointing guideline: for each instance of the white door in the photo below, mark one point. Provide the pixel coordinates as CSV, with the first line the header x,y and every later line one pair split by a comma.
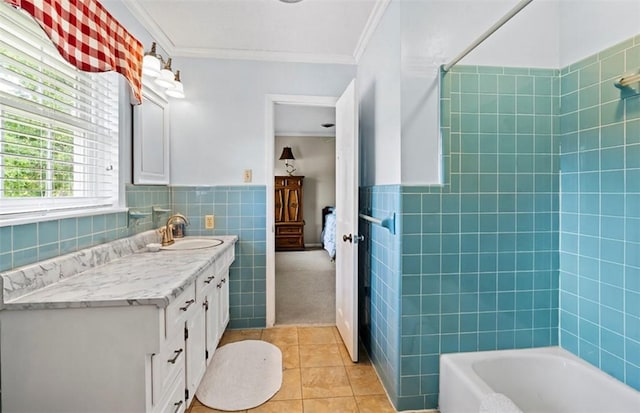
x,y
347,182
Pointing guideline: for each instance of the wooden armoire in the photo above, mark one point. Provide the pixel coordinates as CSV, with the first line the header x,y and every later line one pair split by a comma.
x,y
288,209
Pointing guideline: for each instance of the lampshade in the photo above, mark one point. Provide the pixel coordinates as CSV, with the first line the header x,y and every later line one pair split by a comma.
x,y
150,63
286,153
177,90
166,78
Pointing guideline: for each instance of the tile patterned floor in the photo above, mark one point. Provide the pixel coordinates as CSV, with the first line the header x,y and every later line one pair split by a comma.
x,y
318,375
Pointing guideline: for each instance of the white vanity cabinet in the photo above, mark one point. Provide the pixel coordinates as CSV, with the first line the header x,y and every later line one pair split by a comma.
x,y
135,358
223,303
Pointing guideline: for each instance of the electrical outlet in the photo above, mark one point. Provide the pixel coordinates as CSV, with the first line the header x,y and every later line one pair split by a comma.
x,y
209,222
247,175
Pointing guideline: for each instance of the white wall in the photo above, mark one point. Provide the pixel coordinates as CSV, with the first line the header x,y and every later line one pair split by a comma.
x,y
436,31
316,161
379,82
587,27
219,129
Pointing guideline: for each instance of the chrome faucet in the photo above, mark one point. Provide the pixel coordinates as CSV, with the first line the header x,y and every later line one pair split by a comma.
x,y
167,231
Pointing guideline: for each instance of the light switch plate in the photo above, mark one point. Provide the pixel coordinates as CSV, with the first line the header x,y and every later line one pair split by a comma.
x,y
247,176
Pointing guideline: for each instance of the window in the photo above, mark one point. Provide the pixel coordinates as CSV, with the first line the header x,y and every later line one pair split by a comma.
x,y
58,126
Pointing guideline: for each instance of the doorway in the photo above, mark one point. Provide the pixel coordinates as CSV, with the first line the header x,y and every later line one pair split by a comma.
x,y
296,267
305,192
347,238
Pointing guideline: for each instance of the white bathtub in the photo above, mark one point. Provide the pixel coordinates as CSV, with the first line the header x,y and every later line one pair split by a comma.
x,y
541,380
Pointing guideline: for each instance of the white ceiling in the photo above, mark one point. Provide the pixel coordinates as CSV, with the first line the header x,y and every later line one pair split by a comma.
x,y
315,31
312,31
296,120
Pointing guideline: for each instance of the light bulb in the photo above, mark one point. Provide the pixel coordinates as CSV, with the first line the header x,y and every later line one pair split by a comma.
x,y
166,78
177,90
150,63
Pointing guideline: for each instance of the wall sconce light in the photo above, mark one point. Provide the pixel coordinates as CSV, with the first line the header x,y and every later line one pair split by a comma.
x,y
165,79
177,90
154,65
287,156
151,63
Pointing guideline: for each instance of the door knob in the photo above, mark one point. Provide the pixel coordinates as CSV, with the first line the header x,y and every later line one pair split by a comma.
x,y
353,238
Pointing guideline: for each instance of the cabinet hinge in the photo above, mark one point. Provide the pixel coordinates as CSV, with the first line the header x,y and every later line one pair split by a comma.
x,y
206,354
186,333
186,394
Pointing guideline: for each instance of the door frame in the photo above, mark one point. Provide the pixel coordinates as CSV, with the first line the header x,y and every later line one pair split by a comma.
x,y
270,139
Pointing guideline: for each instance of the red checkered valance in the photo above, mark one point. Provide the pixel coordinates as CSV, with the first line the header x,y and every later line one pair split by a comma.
x,y
88,37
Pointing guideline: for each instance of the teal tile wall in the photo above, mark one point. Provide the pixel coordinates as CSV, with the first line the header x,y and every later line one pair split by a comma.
x,y
379,285
25,244
238,210
142,198
600,213
480,253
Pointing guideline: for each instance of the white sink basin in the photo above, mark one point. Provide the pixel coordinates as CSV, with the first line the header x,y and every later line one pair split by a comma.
x,y
193,244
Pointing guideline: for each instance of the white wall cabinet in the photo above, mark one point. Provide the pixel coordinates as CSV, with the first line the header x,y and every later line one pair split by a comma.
x,y
151,139
137,358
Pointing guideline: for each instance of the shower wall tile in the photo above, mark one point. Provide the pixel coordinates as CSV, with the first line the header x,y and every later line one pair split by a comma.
x,y
480,253
600,242
380,284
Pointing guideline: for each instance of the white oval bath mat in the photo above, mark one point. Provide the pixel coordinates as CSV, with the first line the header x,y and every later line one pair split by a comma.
x,y
241,376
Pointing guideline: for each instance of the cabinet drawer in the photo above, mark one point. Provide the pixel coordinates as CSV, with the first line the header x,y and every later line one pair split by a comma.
x,y
288,230
289,242
174,401
179,309
166,364
206,282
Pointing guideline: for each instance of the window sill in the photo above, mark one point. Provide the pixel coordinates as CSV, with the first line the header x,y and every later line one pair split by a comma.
x,y
50,216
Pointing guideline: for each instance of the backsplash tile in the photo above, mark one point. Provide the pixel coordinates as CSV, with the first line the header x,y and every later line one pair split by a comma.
x,y
238,210
25,244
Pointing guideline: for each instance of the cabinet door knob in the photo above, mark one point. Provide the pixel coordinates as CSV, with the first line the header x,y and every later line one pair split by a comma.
x,y
175,357
209,279
177,404
188,303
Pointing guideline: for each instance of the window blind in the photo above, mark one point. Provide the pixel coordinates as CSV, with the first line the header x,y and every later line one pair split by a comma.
x,y
58,125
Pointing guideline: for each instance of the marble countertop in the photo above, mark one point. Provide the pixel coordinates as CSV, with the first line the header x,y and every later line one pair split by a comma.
x,y
142,278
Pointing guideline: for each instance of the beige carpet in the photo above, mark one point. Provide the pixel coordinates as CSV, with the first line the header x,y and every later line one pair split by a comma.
x,y
305,288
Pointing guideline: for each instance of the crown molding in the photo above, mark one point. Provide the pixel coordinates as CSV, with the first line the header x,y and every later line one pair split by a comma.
x,y
265,55
157,34
369,28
